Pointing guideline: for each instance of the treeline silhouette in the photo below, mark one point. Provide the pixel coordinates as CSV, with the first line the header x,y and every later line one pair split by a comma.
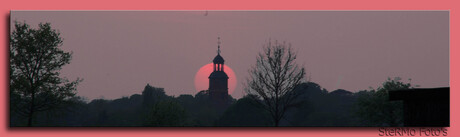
x,y
153,107
39,96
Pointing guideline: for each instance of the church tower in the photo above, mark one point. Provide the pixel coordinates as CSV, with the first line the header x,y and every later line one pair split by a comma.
x,y
218,80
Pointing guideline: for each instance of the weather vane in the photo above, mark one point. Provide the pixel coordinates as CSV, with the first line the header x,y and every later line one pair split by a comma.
x,y
218,45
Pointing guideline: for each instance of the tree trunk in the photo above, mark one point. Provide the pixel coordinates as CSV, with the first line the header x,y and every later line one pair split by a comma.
x,y
29,121
31,112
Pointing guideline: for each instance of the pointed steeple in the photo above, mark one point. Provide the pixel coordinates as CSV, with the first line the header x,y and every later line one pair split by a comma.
x,y
218,59
218,45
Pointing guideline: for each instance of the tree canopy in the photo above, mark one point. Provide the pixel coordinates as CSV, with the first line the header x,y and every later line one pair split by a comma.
x,y
374,107
35,62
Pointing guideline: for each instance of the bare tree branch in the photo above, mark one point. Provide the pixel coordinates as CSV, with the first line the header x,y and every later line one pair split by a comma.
x,y
272,81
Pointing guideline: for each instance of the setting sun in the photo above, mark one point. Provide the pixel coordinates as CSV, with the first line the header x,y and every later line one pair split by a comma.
x,y
202,80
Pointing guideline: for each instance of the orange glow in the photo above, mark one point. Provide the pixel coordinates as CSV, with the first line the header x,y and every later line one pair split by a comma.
x,y
202,80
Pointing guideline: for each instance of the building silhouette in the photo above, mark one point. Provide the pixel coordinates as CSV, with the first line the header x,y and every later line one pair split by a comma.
x,y
427,107
218,80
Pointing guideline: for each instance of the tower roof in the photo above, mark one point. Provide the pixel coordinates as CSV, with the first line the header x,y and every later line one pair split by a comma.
x,y
218,59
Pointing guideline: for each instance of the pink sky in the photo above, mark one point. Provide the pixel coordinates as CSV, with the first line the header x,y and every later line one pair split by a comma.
x,y
118,52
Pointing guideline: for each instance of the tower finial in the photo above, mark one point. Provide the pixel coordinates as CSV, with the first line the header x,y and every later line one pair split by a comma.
x,y
218,45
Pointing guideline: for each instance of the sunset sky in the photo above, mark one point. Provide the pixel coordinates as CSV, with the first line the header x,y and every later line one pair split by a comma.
x,y
118,52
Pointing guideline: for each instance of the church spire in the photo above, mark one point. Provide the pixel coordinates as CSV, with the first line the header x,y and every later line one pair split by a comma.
x,y
218,60
218,45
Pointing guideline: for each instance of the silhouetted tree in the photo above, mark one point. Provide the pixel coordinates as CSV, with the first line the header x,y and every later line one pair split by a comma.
x,y
151,95
203,113
245,112
273,79
321,108
35,61
70,115
166,113
374,107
